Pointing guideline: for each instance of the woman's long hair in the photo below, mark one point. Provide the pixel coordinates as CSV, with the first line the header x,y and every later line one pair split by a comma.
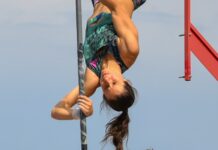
x,y
118,128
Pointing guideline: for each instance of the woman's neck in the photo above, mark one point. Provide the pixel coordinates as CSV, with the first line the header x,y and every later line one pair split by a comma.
x,y
109,62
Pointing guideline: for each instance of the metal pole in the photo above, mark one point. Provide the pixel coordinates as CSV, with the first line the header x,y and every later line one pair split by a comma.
x,y
81,72
187,40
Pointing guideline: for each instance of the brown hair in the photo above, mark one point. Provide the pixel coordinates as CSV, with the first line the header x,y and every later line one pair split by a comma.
x,y
118,127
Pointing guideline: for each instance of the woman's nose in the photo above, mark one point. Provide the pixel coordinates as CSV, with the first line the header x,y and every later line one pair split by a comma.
x,y
108,81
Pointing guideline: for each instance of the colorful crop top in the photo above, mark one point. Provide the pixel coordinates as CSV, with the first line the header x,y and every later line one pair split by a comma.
x,y
100,40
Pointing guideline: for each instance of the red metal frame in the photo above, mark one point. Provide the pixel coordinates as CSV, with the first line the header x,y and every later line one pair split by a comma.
x,y
196,43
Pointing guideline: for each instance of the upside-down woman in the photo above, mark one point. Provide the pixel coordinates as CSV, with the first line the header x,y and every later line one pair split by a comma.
x,y
110,48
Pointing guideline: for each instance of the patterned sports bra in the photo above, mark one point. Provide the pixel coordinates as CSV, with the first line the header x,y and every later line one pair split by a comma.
x,y
101,40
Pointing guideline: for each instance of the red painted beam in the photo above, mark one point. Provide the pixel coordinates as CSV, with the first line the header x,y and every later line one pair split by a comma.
x,y
204,51
187,41
196,43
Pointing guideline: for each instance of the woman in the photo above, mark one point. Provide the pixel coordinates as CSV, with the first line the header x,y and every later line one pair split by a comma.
x,y
110,48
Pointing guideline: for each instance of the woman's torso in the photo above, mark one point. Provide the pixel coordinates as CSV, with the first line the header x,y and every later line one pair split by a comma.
x,y
101,38
100,41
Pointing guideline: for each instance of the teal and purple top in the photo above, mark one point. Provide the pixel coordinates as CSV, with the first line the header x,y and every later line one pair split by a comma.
x,y
101,39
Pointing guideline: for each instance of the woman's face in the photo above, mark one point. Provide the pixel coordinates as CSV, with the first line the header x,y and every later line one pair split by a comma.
x,y
112,83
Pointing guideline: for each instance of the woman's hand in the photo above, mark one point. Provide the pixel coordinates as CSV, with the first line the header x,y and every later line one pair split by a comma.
x,y
85,104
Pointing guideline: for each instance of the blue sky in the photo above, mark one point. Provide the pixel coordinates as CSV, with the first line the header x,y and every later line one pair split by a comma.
x,y
38,67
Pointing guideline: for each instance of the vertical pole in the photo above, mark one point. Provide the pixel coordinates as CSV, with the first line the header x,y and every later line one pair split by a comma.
x,y
187,41
81,72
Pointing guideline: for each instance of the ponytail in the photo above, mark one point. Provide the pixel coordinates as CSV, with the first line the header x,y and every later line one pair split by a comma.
x,y
117,129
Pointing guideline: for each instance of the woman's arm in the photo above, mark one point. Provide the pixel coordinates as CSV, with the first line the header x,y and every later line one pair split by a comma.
x,y
127,42
63,111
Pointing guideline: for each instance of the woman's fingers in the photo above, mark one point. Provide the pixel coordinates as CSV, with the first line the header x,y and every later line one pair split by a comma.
x,y
85,100
81,97
86,110
85,105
